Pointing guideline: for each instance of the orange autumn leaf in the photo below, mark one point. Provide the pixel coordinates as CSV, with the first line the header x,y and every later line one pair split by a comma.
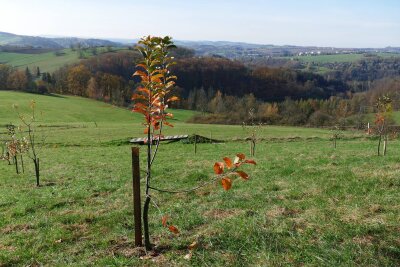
x,y
250,161
172,99
140,73
228,162
137,96
173,229
243,174
218,167
164,220
241,156
168,124
226,183
143,90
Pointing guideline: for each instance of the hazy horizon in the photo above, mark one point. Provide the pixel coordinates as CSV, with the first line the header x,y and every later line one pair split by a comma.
x,y
361,24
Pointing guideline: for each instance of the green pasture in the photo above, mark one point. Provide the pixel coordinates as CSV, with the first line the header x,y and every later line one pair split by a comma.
x,y
47,62
306,203
323,59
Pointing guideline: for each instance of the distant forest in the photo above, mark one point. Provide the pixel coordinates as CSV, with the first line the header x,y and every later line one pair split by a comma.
x,y
229,91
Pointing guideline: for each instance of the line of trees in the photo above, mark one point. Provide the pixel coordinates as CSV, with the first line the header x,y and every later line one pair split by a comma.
x,y
224,89
29,81
348,110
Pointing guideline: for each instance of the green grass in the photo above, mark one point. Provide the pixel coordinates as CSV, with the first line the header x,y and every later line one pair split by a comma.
x,y
321,59
305,204
47,62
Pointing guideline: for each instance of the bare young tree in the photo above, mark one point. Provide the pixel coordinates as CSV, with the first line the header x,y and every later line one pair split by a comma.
x,y
253,129
336,134
29,122
383,117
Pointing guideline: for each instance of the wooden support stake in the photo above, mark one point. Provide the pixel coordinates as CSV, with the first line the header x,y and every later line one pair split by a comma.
x,y
137,213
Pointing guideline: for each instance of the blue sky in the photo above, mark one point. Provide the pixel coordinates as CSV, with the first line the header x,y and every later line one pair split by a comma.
x,y
340,23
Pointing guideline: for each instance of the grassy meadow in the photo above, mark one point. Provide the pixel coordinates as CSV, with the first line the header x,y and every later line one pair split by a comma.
x,y
47,62
306,203
340,57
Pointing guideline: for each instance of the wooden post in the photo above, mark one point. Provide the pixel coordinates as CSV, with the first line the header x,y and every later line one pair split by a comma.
x,y
137,213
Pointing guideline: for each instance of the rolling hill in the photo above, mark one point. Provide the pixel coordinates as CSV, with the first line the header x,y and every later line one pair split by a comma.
x,y
47,61
10,39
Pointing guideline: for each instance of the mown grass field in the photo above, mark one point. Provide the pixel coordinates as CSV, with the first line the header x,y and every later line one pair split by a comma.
x,y
340,57
47,62
306,203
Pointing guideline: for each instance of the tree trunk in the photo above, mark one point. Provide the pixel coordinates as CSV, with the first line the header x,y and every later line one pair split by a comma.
x,y
334,142
384,145
37,173
147,243
22,164
137,213
379,145
16,164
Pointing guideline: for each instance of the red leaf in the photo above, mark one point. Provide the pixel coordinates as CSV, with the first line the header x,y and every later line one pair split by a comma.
x,y
250,161
164,220
137,96
228,162
241,156
218,167
173,229
139,73
144,90
139,110
226,183
168,124
172,99
243,174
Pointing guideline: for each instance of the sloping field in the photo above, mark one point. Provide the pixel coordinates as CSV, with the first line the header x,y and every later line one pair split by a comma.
x,y
47,62
305,204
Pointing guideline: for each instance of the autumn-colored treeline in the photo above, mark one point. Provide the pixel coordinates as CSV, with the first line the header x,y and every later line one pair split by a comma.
x,y
349,110
106,77
225,88
268,84
109,77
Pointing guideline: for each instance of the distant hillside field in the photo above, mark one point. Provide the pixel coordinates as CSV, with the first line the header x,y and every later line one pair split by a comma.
x,y
70,109
10,39
47,62
340,57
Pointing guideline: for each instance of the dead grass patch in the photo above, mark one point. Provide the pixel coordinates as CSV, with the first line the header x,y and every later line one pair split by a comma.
x,y
222,214
23,228
7,248
363,240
